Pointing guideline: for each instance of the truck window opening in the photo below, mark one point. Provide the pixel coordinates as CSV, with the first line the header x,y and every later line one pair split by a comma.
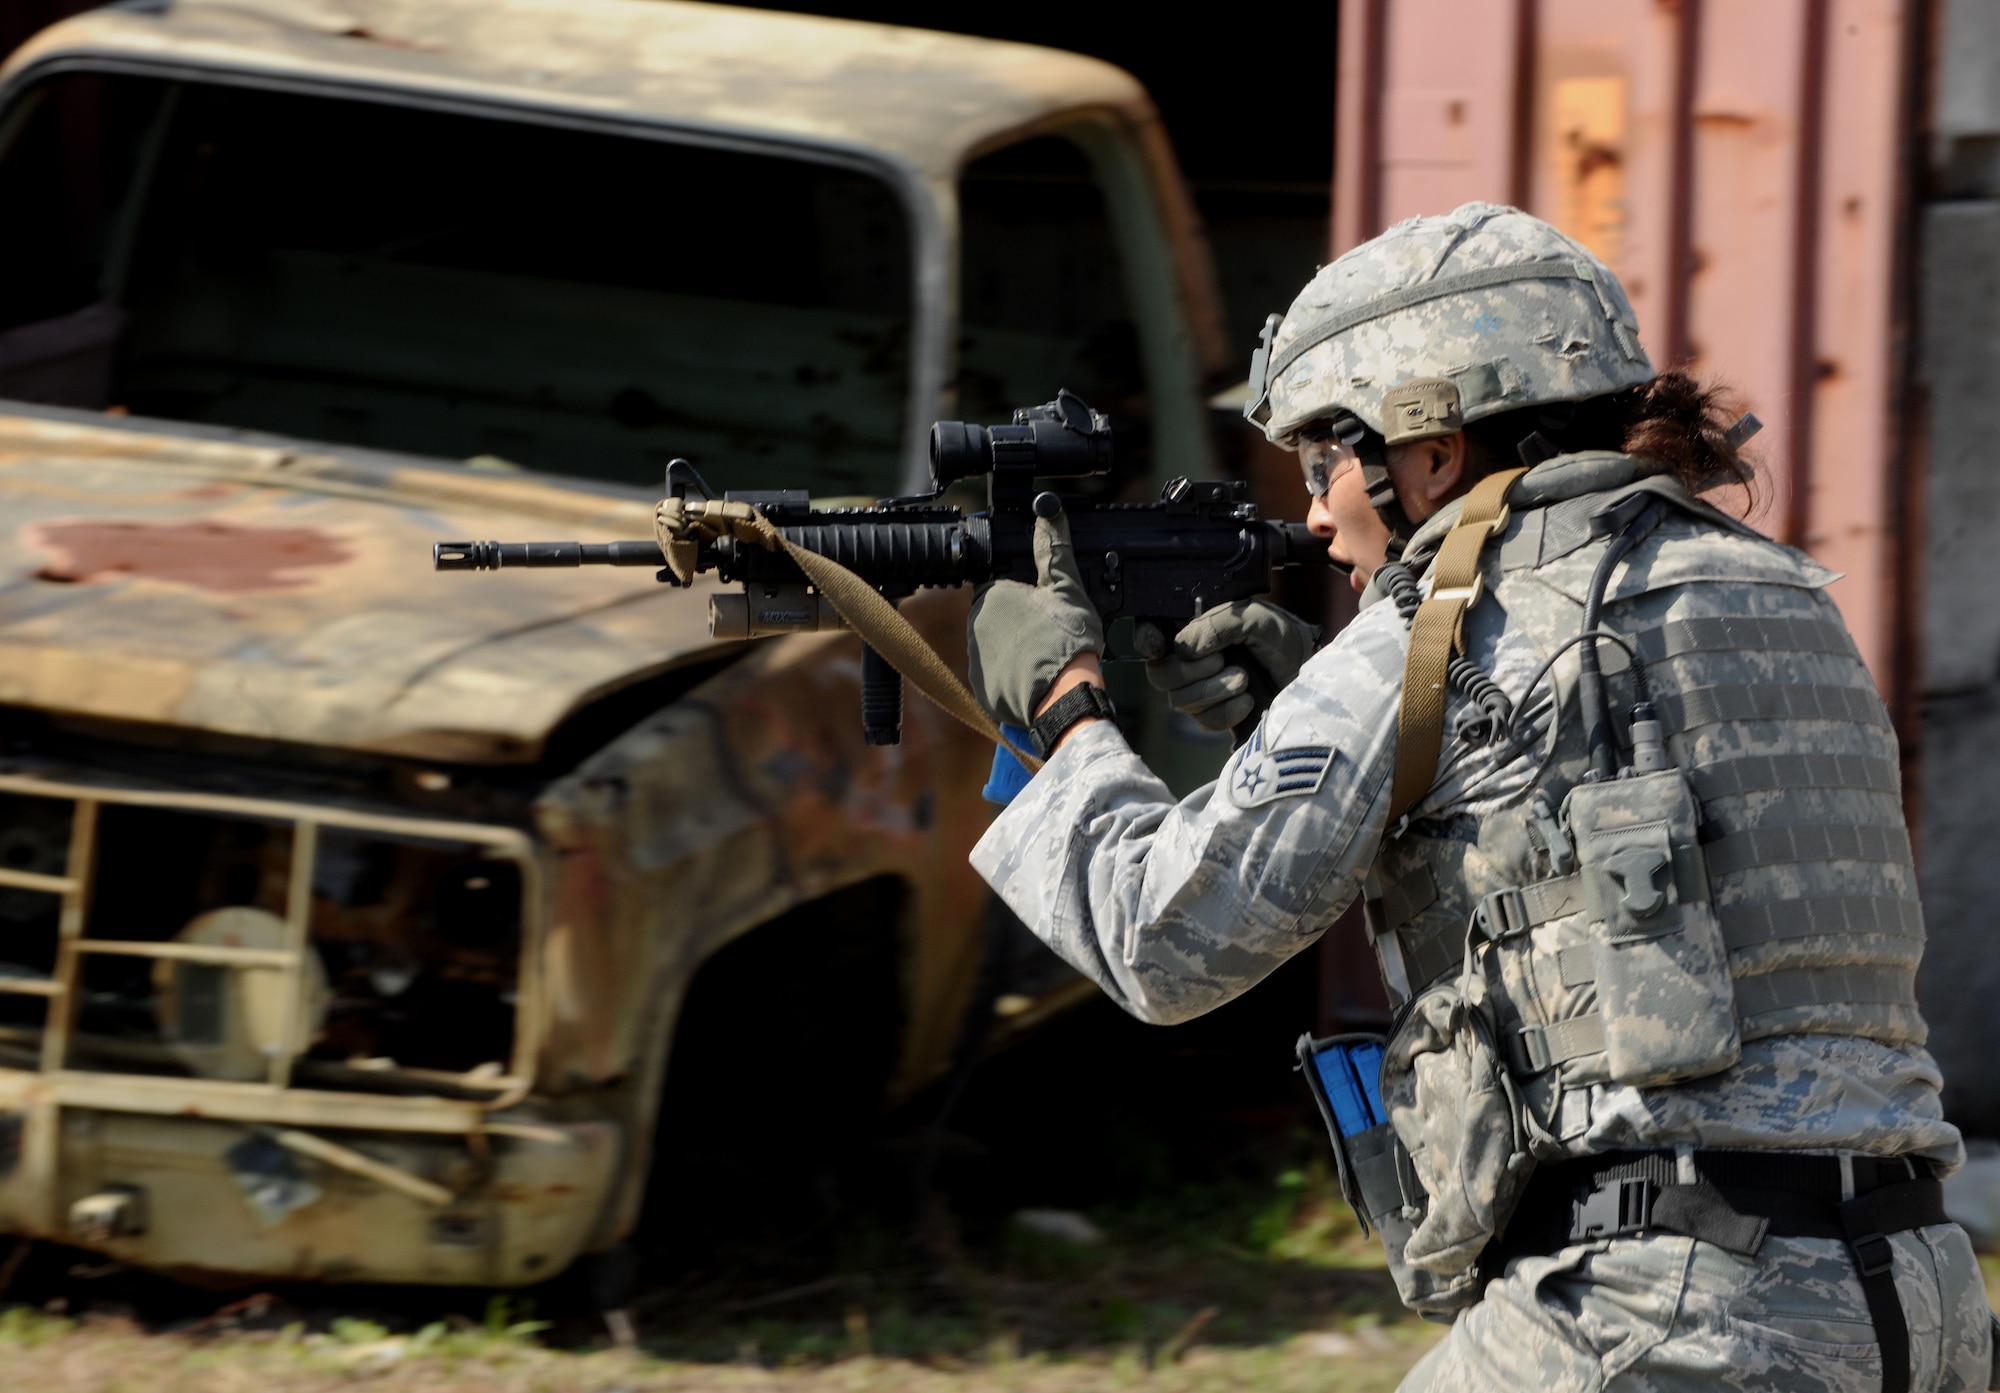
x,y
453,286
1043,293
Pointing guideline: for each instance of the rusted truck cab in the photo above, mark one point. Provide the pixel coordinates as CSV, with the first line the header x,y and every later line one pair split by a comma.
x,y
350,914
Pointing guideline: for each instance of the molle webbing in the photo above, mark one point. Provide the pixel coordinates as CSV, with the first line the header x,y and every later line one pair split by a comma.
x,y
1765,992
1750,925
1577,965
1539,1047
1770,701
1725,633
1768,846
1743,925
1772,773
1430,954
1522,907
1407,897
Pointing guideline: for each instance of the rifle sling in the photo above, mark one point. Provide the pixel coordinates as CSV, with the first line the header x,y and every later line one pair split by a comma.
x,y
885,630
1437,632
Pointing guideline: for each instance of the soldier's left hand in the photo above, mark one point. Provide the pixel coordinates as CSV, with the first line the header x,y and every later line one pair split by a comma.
x,y
1199,679
1021,636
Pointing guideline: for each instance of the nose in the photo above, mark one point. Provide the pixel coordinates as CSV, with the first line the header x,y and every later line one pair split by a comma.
x,y
1319,519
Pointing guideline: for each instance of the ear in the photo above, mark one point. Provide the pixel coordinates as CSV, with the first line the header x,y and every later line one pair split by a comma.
x,y
1441,469
1430,473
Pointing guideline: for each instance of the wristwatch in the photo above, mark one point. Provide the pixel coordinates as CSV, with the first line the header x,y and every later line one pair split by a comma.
x,y
1078,703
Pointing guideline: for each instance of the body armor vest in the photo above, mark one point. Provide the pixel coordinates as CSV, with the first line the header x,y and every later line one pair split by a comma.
x,y
1635,931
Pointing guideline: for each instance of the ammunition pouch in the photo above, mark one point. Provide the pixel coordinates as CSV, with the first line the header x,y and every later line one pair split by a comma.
x,y
1434,1159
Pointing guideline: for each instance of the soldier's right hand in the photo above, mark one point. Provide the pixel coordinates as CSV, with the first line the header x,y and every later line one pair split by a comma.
x,y
1202,678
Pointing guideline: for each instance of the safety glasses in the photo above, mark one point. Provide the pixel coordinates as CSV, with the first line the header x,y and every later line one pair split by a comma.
x,y
1323,457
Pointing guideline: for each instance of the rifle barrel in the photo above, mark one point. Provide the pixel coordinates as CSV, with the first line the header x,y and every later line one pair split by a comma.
x,y
497,556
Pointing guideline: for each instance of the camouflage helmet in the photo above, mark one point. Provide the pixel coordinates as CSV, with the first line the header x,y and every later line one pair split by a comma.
x,y
1444,320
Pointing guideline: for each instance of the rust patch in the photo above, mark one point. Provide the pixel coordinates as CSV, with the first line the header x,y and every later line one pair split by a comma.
x,y
208,555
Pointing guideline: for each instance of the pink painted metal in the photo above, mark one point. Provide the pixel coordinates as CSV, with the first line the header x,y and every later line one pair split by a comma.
x,y
1850,505
1736,163
1447,107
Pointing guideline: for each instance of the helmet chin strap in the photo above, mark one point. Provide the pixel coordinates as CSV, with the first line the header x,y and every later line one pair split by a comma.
x,y
1533,449
1374,459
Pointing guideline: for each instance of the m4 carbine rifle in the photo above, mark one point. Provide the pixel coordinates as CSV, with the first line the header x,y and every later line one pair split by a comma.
x,y
1161,564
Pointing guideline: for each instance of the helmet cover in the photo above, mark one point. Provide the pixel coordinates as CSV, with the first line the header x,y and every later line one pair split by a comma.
x,y
1502,306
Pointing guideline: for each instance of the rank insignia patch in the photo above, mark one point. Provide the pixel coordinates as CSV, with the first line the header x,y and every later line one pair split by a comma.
x,y
1260,774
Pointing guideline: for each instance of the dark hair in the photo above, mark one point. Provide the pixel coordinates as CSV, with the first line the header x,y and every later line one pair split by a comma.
x,y
1673,420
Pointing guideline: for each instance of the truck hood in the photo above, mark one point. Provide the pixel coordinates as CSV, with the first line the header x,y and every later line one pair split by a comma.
x,y
918,97
155,574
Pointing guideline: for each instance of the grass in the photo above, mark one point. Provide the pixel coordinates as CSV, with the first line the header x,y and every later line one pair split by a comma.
x,y
1261,1283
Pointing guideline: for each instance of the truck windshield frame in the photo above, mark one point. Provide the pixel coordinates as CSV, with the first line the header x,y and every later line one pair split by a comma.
x,y
887,355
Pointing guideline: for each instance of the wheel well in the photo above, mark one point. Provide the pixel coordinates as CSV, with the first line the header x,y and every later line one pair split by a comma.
x,y
781,1060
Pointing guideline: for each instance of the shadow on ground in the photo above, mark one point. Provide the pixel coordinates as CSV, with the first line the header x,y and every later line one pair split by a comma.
x,y
1105,1191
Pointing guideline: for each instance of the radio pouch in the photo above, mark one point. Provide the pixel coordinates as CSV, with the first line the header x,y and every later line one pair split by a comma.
x,y
1665,1001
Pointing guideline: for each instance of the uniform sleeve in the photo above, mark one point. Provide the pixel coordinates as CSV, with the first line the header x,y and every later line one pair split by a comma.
x,y
1174,908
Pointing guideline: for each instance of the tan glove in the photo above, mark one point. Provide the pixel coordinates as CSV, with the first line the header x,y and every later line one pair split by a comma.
x,y
1200,680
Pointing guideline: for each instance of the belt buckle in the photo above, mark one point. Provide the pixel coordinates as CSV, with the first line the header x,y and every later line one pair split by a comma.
x,y
1873,1254
1612,1210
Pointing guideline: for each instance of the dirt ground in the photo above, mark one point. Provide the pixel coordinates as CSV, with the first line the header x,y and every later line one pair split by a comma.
x,y
1190,1239
101,1358
1222,1286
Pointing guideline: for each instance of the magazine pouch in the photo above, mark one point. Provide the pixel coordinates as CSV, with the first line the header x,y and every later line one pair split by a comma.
x,y
1376,1179
1344,1074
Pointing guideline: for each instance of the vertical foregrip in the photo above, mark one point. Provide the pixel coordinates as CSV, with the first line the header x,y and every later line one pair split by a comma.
x,y
881,699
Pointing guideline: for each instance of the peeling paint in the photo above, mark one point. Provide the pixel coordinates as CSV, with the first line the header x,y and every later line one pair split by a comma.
x,y
205,554
284,591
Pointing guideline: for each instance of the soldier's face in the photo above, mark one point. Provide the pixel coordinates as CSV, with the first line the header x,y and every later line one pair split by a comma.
x,y
1355,536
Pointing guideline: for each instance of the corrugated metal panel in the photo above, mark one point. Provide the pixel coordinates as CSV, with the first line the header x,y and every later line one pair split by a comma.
x,y
1737,164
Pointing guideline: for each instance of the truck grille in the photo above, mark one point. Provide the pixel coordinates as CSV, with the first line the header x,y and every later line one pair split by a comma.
x,y
264,942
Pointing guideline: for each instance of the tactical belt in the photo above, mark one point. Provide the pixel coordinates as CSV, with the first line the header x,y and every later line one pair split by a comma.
x,y
1739,1199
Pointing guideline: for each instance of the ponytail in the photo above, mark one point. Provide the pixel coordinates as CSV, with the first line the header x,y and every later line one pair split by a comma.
x,y
1675,422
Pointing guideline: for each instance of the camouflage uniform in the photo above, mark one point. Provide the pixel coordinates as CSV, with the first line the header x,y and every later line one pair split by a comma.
x,y
1174,908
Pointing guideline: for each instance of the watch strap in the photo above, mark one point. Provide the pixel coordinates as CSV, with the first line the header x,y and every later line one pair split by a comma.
x,y
1080,702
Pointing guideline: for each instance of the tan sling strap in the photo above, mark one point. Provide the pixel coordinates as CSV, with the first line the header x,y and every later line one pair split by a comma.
x,y
681,522
1437,633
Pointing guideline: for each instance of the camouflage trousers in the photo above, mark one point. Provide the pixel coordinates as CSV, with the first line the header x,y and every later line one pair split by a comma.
x,y
1670,1313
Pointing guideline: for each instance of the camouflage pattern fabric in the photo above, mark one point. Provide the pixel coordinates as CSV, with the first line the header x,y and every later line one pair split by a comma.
x,y
1535,318
1175,908
1664,1314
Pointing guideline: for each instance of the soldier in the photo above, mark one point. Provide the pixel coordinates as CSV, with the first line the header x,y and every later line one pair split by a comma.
x,y
1623,808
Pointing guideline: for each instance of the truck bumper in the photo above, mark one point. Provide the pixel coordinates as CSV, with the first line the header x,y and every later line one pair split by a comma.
x,y
217,1185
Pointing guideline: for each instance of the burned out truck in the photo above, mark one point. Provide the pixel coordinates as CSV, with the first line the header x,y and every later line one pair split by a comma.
x,y
357,924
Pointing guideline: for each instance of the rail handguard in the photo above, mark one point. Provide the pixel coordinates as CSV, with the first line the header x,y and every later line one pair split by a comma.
x,y
1201,545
